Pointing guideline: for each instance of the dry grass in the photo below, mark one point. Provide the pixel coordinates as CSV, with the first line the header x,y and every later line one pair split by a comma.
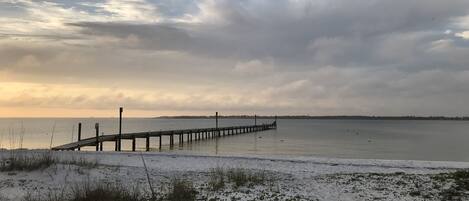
x,y
216,179
219,178
92,191
242,177
181,190
105,192
27,162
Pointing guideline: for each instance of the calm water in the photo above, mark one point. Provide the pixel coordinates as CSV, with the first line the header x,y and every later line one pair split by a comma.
x,y
380,139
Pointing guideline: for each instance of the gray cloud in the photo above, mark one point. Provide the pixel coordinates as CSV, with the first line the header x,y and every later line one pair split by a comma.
x,y
329,33
316,57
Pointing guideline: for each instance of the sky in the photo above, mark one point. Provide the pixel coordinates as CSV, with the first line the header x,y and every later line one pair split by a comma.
x,y
183,57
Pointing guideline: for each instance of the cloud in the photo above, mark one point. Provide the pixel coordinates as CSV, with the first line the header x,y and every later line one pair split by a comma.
x,y
129,10
464,34
317,57
253,67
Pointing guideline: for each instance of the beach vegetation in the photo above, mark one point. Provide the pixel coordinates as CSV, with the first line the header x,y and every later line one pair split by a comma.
x,y
219,178
91,191
27,162
459,185
181,190
243,177
216,179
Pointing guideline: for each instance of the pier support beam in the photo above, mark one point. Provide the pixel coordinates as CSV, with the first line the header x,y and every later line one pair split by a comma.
x,y
79,134
101,144
120,128
96,127
133,144
148,142
160,142
216,119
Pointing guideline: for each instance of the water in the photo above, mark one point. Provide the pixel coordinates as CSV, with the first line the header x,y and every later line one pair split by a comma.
x,y
377,139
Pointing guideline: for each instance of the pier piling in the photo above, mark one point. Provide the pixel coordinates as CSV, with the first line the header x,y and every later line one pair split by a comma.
x,y
120,129
148,142
96,127
79,134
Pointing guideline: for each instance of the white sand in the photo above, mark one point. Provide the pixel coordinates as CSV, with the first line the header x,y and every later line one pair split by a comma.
x,y
302,178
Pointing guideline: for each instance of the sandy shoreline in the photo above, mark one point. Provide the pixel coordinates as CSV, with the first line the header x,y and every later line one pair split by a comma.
x,y
296,178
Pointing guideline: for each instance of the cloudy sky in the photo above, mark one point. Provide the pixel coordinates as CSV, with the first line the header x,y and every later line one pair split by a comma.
x,y
174,57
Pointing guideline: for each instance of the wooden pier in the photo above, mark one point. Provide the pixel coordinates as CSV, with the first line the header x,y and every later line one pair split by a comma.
x,y
190,135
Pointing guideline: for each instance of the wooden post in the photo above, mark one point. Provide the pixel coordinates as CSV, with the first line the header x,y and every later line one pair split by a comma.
x,y
216,119
96,127
148,142
120,128
79,135
134,144
216,125
101,144
160,142
255,120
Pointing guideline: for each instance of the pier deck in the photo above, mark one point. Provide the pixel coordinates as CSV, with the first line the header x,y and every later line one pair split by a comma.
x,y
195,134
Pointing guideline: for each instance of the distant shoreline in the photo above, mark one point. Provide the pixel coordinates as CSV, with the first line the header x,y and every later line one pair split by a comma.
x,y
439,118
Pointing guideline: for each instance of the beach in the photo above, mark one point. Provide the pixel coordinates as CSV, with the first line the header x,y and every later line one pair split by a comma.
x,y
282,178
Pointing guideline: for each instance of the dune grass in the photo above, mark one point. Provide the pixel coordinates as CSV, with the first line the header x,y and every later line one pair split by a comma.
x,y
180,190
91,191
26,161
219,178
